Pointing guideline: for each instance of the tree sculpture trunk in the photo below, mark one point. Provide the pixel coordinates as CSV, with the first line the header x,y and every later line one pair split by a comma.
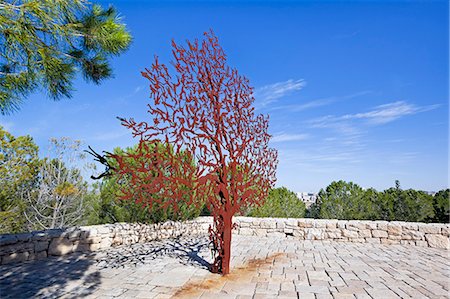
x,y
227,227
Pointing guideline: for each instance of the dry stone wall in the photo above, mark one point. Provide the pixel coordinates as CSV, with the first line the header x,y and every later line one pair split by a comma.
x,y
40,244
379,232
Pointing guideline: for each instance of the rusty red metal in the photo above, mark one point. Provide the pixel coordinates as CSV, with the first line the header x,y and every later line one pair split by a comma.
x,y
218,151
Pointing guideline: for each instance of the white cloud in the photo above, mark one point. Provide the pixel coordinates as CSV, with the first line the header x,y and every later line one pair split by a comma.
x,y
321,102
389,112
288,137
379,115
270,93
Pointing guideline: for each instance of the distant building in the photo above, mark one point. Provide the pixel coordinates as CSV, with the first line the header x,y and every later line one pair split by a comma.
x,y
432,193
307,197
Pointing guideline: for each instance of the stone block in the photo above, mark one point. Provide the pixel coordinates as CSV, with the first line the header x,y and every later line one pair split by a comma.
x,y
410,226
305,223
280,224
299,234
365,233
355,225
8,239
334,233
91,240
315,234
15,257
288,231
342,224
395,237
40,246
54,233
437,241
382,225
290,223
256,222
88,232
320,223
377,233
394,229
414,235
60,246
446,230
430,228
24,237
18,247
40,236
331,223
350,233
369,224
268,223
422,243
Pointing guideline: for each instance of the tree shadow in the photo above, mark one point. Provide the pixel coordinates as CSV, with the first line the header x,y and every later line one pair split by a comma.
x,y
188,251
72,275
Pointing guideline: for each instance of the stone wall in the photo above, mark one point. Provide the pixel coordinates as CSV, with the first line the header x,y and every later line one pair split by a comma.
x,y
40,244
378,232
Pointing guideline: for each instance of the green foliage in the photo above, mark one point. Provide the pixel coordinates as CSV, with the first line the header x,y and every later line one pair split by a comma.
x,y
43,44
109,208
18,167
342,200
280,203
441,204
409,205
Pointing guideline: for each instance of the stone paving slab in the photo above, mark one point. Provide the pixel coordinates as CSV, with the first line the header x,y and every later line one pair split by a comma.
x,y
262,267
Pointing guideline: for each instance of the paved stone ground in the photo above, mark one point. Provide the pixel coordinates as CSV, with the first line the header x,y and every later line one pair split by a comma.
x,y
261,268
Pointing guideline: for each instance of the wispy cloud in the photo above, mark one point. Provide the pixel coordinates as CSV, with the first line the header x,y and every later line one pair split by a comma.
x,y
379,115
283,137
389,112
270,93
321,102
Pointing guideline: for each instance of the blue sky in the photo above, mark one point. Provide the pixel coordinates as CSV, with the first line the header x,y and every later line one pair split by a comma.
x,y
355,90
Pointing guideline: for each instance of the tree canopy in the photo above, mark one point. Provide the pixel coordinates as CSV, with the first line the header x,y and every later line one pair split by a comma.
x,y
44,43
281,202
18,166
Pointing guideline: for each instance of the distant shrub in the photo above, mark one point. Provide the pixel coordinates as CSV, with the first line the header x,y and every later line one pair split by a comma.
x,y
282,203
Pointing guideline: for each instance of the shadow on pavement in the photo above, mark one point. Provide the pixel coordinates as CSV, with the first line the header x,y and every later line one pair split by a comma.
x,y
70,275
185,250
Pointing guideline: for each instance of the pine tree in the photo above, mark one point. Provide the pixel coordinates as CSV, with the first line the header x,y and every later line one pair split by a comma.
x,y
43,43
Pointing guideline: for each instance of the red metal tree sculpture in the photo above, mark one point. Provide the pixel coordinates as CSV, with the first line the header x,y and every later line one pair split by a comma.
x,y
205,114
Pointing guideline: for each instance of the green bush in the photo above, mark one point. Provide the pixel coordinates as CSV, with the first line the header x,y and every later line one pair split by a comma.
x,y
107,207
280,203
441,205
